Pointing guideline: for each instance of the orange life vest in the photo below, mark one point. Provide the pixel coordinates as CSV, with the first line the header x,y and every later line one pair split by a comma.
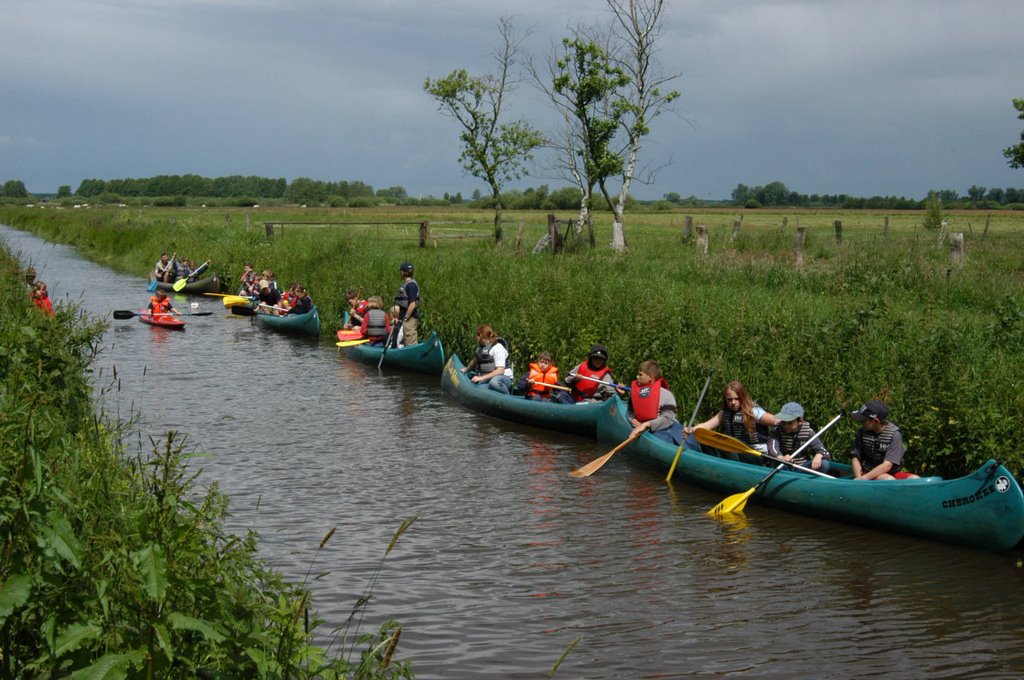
x,y
644,399
549,376
158,306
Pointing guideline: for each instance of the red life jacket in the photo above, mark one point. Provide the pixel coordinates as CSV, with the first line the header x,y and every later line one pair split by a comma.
x,y
361,307
584,389
644,399
158,306
549,376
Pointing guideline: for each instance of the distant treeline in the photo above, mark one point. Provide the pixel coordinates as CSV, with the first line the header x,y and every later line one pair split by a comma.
x,y
776,194
243,191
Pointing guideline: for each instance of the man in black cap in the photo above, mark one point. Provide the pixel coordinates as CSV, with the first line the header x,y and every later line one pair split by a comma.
x,y
408,301
877,451
590,381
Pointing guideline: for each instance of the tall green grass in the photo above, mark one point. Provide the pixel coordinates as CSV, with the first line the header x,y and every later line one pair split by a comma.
x,y
881,315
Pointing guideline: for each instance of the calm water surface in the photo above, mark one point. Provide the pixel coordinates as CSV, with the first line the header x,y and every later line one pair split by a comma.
x,y
510,559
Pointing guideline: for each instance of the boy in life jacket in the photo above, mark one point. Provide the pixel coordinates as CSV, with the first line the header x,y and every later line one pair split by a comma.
x,y
161,304
652,408
376,325
587,378
542,374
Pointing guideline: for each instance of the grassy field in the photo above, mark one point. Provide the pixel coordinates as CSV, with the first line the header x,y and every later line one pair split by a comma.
x,y
883,314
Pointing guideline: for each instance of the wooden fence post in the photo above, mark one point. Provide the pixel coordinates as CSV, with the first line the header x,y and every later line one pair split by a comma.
x,y
702,240
269,226
785,223
838,226
424,234
885,228
519,236
956,248
943,231
736,228
798,246
687,229
988,220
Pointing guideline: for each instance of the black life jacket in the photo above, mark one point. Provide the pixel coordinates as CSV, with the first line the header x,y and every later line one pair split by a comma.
x,y
376,323
484,358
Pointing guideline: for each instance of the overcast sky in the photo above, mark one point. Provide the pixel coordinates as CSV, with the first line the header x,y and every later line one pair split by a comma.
x,y
863,97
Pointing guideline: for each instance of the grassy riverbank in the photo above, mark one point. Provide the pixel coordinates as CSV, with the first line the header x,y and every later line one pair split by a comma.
x,y
882,314
111,566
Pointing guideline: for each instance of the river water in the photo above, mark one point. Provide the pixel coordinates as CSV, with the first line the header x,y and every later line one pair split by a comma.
x,y
510,560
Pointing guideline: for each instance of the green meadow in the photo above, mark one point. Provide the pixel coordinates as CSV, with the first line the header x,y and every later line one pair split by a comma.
x,y
885,313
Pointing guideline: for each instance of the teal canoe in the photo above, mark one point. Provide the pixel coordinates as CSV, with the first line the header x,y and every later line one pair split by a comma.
x,y
426,356
572,418
293,324
984,509
211,284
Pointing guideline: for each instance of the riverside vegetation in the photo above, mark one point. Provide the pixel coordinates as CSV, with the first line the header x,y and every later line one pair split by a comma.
x,y
883,314
113,565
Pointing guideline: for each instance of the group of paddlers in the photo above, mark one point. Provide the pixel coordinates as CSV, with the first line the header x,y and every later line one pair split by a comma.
x,y
264,289
396,327
174,268
876,453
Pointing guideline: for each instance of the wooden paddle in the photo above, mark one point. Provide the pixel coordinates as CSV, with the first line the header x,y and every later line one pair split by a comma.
x,y
596,464
738,501
127,314
551,385
693,416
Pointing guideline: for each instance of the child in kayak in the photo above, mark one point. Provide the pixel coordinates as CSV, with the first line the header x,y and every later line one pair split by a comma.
x,y
652,408
542,374
160,304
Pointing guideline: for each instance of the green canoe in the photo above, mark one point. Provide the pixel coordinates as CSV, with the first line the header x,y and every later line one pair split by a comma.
x,y
572,418
293,324
426,356
984,509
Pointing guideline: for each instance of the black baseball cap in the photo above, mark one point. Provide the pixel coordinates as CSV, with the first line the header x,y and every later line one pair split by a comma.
x,y
871,409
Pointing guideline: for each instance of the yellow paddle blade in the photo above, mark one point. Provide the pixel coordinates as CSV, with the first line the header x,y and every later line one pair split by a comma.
x,y
722,442
734,503
232,300
179,284
351,343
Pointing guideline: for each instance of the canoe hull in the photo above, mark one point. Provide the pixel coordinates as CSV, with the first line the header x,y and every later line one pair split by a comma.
x,y
984,509
211,284
578,419
162,321
307,324
424,357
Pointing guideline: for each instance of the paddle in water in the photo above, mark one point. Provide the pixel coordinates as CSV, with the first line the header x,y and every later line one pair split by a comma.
x,y
596,464
737,502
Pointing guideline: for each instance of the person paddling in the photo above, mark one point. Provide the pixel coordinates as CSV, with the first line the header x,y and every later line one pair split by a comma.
x,y
160,304
652,407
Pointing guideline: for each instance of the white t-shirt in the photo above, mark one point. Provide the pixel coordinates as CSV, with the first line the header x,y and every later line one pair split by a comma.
x,y
500,355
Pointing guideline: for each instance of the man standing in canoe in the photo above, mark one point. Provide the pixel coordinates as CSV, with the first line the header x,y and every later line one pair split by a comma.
x,y
877,451
408,301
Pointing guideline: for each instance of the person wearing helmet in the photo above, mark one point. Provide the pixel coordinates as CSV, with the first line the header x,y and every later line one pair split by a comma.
x,y
408,301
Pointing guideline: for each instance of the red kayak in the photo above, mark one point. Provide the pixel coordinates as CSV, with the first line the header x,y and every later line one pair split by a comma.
x,y
163,321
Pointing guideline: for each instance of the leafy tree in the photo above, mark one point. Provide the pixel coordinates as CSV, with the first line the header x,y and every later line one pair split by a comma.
x,y
673,197
933,215
63,191
1015,154
492,150
14,188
